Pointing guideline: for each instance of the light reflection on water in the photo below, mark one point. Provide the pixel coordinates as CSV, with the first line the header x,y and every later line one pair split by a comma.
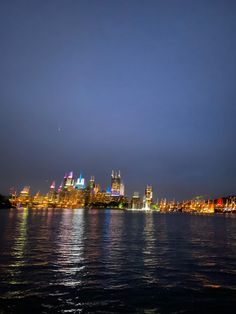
x,y
58,261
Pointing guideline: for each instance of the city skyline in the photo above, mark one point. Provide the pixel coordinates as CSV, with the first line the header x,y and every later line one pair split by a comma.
x,y
144,87
75,191
115,186
78,181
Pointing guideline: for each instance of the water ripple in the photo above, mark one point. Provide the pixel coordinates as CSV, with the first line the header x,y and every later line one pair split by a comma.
x,y
109,261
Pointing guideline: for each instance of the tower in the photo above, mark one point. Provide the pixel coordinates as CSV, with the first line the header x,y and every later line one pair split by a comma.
x,y
52,186
115,183
52,191
148,197
80,183
24,195
135,202
60,187
122,189
68,181
92,183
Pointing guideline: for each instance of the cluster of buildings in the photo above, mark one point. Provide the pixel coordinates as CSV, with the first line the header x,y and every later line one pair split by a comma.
x,y
77,193
74,192
200,205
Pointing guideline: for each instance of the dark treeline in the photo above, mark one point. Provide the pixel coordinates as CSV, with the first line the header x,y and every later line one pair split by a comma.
x,y
4,202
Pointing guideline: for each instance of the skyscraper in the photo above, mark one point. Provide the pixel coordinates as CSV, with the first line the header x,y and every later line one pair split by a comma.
x,y
68,181
80,183
122,189
92,183
52,191
24,195
115,183
135,202
52,186
148,197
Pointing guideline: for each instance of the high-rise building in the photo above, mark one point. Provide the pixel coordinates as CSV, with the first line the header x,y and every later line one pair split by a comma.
x,y
52,191
92,183
25,191
122,189
115,183
60,187
135,201
24,195
68,181
53,185
80,183
148,197
96,188
64,180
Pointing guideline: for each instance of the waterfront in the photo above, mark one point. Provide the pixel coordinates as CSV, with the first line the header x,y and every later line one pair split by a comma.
x,y
75,193
109,261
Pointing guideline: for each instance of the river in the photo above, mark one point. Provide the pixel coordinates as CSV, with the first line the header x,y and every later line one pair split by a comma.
x,y
116,261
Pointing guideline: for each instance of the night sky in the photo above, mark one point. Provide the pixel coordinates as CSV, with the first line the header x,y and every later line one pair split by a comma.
x,y
147,87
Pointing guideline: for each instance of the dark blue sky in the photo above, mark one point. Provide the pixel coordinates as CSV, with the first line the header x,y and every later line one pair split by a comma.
x,y
147,87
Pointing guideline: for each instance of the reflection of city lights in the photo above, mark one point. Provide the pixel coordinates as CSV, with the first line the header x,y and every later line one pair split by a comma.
x,y
71,254
19,247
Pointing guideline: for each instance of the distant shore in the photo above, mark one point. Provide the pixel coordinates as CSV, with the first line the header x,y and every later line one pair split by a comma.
x,y
5,203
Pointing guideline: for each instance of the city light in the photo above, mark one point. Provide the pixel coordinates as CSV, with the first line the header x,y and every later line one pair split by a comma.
x,y
75,193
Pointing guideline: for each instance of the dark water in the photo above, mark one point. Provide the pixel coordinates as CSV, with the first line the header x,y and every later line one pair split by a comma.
x,y
109,261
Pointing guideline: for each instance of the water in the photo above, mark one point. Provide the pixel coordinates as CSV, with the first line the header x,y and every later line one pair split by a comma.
x,y
111,261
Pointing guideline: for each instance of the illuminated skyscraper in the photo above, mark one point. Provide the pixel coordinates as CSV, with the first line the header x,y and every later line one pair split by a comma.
x,y
115,183
64,180
96,188
24,195
68,180
80,183
135,202
92,183
148,197
52,186
52,191
60,187
25,191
